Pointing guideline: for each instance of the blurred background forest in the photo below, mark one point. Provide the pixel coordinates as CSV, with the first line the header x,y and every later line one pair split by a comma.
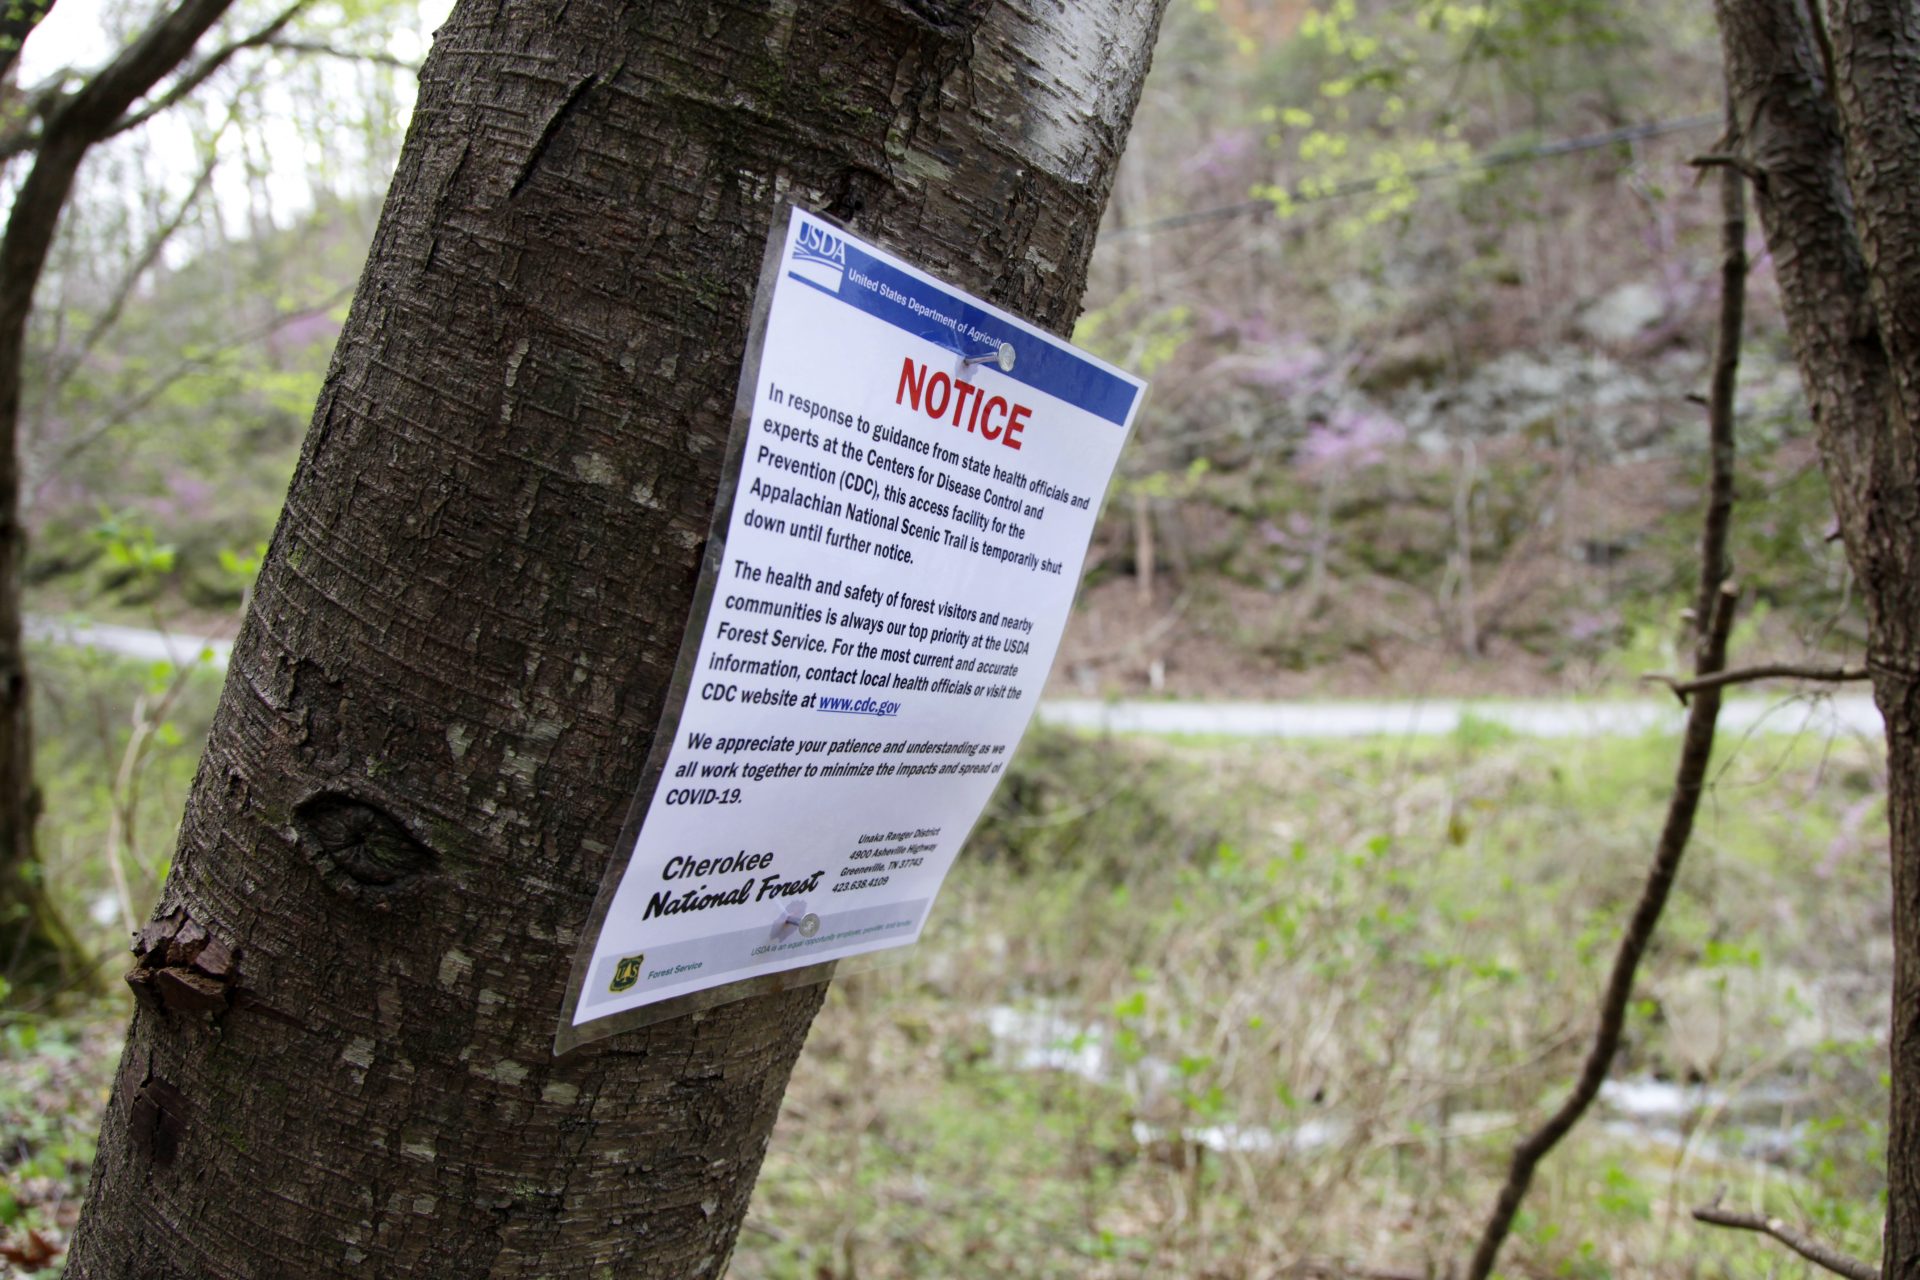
x,y
1426,293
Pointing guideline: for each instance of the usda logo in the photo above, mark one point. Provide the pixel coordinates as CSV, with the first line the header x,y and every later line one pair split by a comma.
x,y
819,257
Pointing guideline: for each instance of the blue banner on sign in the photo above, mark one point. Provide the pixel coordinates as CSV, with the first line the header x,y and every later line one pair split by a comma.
x,y
883,291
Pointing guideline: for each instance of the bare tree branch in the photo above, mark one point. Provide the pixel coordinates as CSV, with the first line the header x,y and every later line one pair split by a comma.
x,y
68,363
1727,160
199,73
25,137
18,142
109,92
71,129
1696,751
1818,1252
123,412
1715,564
1824,38
318,48
1764,671
22,133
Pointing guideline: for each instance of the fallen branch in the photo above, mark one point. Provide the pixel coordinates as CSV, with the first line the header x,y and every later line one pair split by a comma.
x,y
1815,1251
1748,675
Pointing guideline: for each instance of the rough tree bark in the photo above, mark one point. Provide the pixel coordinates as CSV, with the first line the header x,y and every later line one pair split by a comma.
x,y
460,641
1829,132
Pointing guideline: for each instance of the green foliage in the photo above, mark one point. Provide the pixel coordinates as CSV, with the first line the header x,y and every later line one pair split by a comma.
x,y
118,739
1064,808
1374,101
1163,485
1145,343
244,566
54,1074
1476,733
133,557
202,465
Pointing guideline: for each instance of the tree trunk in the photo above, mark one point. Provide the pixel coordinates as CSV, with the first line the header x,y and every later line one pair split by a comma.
x,y
461,640
1828,133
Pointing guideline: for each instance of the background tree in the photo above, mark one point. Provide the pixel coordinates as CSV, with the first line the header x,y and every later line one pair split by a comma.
x,y
460,642
51,129
1825,127
69,125
177,341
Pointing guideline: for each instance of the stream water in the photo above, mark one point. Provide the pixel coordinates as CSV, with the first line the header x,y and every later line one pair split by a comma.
x,y
1747,1127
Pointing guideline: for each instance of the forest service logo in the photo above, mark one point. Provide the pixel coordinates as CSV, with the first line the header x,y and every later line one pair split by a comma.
x,y
626,973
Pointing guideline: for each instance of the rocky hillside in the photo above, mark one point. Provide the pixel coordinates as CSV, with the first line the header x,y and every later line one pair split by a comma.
x,y
1441,430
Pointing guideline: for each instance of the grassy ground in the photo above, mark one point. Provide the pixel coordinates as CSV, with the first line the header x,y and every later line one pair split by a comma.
x,y
1231,1009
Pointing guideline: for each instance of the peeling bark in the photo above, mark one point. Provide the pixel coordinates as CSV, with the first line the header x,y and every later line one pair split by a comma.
x,y
461,639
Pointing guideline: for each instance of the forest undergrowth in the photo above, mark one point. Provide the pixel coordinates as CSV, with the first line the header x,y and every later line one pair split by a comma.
x,y
1226,1009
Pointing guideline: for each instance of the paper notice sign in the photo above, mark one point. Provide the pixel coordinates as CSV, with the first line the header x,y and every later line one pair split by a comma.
x,y
918,475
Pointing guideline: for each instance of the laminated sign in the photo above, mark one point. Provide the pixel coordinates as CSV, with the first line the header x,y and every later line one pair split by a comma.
x,y
913,482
